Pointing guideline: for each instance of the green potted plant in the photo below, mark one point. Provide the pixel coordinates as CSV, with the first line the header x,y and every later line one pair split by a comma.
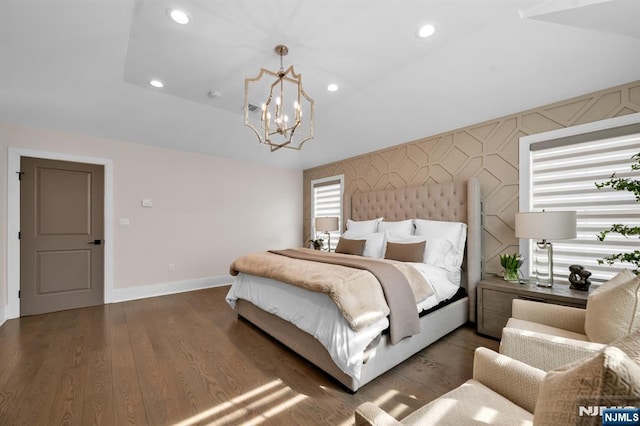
x,y
633,186
511,264
317,243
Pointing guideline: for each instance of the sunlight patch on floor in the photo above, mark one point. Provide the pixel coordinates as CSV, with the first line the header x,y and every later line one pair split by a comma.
x,y
276,410
237,408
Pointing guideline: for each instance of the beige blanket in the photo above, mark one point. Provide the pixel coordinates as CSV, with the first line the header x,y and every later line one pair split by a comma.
x,y
356,292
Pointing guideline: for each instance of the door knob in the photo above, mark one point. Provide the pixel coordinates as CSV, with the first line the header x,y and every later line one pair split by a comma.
x,y
96,242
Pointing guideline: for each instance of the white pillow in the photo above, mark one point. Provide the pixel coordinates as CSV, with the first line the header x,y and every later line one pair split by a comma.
x,y
445,242
613,310
402,227
374,245
363,226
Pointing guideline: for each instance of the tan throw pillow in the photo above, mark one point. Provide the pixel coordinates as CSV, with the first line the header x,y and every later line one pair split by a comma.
x,y
630,345
609,378
348,246
620,278
613,310
405,252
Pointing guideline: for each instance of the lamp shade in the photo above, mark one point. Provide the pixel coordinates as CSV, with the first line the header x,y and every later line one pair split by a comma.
x,y
326,224
546,225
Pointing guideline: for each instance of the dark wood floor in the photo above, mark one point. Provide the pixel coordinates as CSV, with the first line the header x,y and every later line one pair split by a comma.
x,y
186,360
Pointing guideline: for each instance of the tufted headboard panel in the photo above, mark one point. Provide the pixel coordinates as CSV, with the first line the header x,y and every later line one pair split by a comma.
x,y
453,202
447,201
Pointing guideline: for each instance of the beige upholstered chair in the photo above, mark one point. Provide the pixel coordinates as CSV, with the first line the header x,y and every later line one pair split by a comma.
x,y
548,336
504,391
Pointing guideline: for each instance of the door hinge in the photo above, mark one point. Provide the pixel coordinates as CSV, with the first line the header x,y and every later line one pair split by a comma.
x,y
19,235
20,175
19,293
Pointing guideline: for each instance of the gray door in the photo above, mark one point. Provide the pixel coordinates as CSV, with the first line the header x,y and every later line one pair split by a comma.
x,y
61,235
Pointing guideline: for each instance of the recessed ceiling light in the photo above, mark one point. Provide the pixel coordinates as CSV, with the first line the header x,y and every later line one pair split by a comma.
x,y
426,31
178,16
332,87
156,83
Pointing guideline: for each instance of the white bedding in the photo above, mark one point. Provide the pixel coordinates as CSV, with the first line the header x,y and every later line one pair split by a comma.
x,y
316,314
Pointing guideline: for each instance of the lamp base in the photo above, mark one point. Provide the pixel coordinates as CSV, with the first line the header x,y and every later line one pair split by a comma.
x,y
533,280
543,261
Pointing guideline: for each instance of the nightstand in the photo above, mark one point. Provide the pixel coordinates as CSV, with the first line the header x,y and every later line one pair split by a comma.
x,y
495,296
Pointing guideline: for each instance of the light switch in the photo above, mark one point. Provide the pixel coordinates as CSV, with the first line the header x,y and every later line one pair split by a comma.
x,y
124,222
147,202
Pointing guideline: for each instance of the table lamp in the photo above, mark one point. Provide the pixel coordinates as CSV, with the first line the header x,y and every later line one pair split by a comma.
x,y
326,225
544,226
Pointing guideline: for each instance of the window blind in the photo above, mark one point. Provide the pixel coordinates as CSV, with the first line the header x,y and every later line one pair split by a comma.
x,y
327,201
563,177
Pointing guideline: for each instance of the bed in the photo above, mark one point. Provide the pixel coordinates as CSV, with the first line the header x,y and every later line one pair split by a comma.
x,y
456,202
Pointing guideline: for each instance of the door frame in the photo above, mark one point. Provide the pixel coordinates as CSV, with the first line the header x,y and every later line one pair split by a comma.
x,y
13,220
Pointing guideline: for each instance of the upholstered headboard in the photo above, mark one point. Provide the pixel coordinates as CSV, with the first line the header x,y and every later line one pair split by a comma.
x,y
454,202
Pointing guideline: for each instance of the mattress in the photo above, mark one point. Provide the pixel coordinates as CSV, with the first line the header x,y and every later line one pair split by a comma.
x,y
317,315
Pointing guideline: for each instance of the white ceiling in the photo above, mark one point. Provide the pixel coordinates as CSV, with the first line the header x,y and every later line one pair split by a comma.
x,y
84,65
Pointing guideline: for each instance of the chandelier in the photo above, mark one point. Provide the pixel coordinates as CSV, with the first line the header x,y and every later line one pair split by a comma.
x,y
277,108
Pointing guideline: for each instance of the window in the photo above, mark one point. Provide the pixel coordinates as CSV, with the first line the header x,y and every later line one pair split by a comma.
x,y
558,171
326,201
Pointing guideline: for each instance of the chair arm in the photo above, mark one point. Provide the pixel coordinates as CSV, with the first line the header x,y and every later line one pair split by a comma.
x,y
564,317
544,351
369,413
514,380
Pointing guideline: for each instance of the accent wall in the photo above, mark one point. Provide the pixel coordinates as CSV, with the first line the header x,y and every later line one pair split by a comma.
x,y
486,150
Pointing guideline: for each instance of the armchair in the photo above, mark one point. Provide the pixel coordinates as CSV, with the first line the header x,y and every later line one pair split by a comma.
x,y
548,336
504,391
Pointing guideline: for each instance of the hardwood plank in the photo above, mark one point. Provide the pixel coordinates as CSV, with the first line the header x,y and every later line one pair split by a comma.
x,y
34,376
187,360
68,399
157,399
128,405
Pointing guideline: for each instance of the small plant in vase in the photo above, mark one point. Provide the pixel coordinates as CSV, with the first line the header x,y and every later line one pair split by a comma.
x,y
317,243
511,264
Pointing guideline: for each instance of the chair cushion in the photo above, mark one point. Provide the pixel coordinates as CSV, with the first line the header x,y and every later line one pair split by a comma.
x,y
613,310
545,329
544,351
609,378
471,402
630,345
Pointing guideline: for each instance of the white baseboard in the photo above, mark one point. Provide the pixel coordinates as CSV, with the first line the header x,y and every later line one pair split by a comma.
x,y
3,315
163,289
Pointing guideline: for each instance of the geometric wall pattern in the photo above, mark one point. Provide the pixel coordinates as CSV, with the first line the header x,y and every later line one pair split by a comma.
x,y
487,150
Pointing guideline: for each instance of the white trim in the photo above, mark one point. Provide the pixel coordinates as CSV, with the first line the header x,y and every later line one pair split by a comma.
x,y
3,315
524,172
13,221
173,287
